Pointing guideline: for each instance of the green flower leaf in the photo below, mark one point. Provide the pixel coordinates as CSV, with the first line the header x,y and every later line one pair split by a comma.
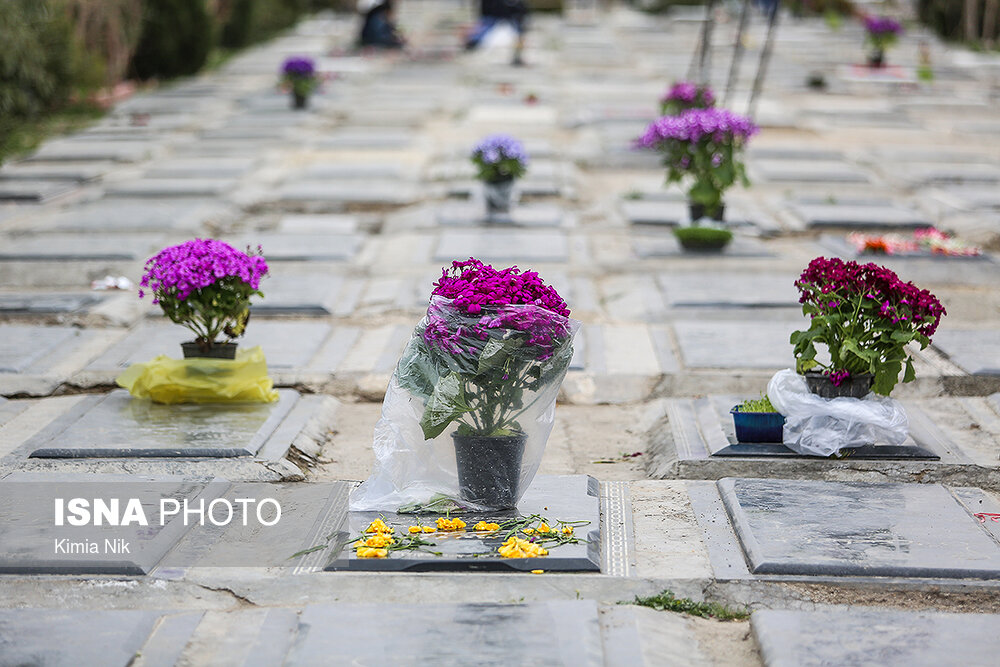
x,y
445,405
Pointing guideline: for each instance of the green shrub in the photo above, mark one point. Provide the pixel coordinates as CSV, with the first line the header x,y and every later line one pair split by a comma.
x,y
820,7
703,237
41,61
252,21
176,38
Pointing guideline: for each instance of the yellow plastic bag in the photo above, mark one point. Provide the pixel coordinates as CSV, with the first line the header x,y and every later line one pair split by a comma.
x,y
165,380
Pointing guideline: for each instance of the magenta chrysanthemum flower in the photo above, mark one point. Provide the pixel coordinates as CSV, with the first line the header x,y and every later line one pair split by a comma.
x,y
179,270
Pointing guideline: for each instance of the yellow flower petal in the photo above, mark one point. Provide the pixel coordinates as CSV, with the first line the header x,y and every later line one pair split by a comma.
x,y
537,571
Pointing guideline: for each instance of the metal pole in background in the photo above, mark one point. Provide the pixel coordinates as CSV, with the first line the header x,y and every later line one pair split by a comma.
x,y
734,67
704,50
765,60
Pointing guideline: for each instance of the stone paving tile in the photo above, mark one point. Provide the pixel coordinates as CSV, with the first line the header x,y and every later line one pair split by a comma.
x,y
76,151
171,187
384,192
35,192
668,246
806,171
862,214
35,303
976,351
729,290
117,426
301,247
520,215
79,247
901,638
759,343
25,171
503,246
129,215
37,359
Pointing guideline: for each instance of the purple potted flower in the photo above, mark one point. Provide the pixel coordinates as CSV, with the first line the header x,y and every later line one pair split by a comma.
x,y
205,286
881,33
866,317
489,358
298,74
685,95
702,146
499,159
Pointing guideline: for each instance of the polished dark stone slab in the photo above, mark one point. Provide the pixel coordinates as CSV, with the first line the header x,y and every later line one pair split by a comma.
x,y
32,542
118,426
23,345
977,351
887,637
503,245
86,637
43,303
564,633
793,527
566,498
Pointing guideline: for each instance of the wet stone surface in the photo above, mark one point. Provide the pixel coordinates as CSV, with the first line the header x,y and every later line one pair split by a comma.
x,y
557,498
854,529
894,638
119,426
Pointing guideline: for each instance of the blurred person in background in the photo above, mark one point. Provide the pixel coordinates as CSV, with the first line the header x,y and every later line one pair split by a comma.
x,y
378,28
493,13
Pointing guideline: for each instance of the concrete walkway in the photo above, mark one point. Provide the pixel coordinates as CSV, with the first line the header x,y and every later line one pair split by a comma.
x,y
360,200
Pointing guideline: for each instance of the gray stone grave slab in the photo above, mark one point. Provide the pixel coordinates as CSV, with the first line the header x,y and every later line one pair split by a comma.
x,y
212,168
562,497
130,215
353,171
319,224
794,527
520,215
975,196
530,186
976,351
793,153
33,541
729,290
759,343
888,637
304,294
35,192
81,173
48,302
23,346
257,134
75,151
668,246
946,174
86,637
79,247
565,633
116,425
372,138
652,212
171,187
151,339
807,171
390,193
502,245
862,215
286,247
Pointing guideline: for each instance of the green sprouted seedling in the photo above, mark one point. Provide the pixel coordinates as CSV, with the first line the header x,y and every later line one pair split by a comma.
x,y
762,404
666,601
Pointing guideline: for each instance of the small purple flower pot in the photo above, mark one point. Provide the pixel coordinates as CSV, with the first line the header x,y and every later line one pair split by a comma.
x,y
758,426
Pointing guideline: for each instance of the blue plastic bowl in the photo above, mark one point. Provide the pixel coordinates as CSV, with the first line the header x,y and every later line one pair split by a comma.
x,y
757,426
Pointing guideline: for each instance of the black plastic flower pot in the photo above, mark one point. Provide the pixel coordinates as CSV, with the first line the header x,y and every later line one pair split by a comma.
x,y
876,58
853,386
194,350
489,468
698,211
758,426
299,100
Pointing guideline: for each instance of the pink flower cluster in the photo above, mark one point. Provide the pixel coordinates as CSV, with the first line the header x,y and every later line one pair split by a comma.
x,y
692,126
472,285
473,302
830,283
179,270
689,93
